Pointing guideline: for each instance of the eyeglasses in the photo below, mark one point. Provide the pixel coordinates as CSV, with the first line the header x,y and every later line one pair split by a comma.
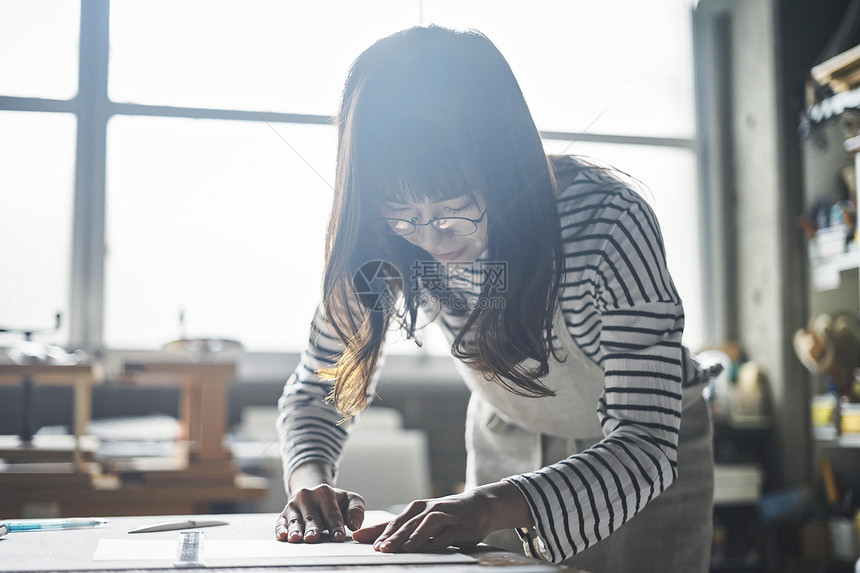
x,y
456,226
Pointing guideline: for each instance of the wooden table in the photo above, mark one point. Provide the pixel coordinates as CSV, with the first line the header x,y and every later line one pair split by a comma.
x,y
73,550
78,497
81,377
207,476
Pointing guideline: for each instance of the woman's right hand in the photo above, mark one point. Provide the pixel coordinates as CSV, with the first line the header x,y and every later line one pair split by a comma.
x,y
316,506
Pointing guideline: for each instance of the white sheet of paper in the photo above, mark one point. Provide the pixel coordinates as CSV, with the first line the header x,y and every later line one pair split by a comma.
x,y
135,549
234,549
265,552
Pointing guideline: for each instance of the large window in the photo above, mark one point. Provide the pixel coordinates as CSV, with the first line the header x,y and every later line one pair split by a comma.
x,y
36,192
190,171
228,229
38,59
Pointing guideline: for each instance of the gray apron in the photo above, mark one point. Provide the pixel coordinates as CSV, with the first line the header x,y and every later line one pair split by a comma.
x,y
508,434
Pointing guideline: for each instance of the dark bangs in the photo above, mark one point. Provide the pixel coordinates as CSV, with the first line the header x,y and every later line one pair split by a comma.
x,y
410,159
411,173
435,121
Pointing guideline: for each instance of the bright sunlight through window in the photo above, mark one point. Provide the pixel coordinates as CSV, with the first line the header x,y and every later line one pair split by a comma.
x,y
222,217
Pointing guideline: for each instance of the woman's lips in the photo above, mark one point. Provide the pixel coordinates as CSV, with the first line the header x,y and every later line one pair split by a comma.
x,y
448,256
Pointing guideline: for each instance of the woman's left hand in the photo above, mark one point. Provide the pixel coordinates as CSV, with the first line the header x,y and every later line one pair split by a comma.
x,y
461,520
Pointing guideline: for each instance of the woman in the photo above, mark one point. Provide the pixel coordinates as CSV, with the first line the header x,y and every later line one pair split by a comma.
x,y
585,434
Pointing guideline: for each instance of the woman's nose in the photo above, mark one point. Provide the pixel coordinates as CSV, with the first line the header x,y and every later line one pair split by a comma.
x,y
428,238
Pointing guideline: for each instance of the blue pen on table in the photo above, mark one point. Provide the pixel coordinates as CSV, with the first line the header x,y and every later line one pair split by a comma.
x,y
49,524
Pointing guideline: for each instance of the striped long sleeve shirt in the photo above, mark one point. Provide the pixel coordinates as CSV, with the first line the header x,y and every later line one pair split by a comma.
x,y
621,308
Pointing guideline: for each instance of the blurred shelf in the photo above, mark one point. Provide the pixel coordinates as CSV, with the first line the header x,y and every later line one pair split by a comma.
x,y
828,256
737,484
828,437
833,106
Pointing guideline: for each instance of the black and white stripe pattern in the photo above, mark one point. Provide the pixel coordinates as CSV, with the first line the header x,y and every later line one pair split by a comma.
x,y
621,308
308,425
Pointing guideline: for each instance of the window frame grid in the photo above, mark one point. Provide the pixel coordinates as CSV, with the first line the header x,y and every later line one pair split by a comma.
x,y
93,109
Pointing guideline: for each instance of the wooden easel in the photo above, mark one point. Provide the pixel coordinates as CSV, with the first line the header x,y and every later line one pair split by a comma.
x,y
203,402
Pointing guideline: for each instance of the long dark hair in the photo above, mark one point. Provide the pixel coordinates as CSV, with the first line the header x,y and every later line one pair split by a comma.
x,y
432,114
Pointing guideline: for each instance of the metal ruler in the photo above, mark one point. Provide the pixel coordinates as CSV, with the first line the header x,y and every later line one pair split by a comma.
x,y
190,550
